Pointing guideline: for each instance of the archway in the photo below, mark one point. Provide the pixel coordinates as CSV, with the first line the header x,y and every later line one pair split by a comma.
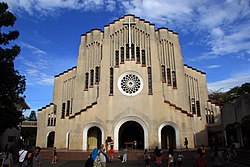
x,y
176,133
131,135
94,137
168,138
50,139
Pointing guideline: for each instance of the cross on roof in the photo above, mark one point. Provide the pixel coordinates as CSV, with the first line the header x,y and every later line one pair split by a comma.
x,y
129,23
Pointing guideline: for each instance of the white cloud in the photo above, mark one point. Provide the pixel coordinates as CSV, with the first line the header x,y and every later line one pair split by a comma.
x,y
223,25
51,8
213,66
227,84
33,49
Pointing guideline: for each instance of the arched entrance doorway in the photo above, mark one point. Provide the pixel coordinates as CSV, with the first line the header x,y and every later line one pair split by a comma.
x,y
50,139
94,138
168,138
131,134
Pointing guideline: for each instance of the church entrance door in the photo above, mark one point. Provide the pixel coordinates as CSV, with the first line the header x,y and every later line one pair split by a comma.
x,y
131,135
51,139
168,137
94,138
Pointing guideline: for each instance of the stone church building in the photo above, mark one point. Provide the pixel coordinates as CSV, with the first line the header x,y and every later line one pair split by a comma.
x,y
130,85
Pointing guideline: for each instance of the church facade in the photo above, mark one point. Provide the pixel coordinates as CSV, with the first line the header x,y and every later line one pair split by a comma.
x,y
130,85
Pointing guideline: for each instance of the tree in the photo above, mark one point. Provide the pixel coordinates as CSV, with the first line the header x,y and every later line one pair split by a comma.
x,y
221,98
12,84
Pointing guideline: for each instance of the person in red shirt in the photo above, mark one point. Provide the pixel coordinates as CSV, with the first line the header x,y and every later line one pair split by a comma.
x,y
111,154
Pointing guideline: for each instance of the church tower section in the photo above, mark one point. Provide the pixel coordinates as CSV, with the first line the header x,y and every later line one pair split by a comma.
x,y
89,68
130,85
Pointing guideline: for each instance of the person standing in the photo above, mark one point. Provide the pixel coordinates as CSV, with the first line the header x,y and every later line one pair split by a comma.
x,y
170,157
28,160
125,155
95,157
22,155
186,143
103,156
200,159
135,144
217,158
146,157
180,158
54,156
7,158
111,154
37,158
158,156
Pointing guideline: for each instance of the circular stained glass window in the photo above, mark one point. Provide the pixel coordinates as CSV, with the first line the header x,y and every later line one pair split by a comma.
x,y
130,83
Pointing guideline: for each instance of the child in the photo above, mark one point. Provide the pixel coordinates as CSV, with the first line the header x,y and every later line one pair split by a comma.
x,y
111,154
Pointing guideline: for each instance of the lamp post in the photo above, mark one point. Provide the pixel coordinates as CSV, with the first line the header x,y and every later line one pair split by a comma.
x,y
236,123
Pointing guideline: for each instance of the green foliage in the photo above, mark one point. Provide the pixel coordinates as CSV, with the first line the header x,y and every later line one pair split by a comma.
x,y
12,84
221,98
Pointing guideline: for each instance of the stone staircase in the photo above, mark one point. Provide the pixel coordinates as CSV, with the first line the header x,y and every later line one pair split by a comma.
x,y
243,157
133,154
83,155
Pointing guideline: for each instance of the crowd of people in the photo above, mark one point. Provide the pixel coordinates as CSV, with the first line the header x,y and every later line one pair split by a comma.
x,y
100,156
25,159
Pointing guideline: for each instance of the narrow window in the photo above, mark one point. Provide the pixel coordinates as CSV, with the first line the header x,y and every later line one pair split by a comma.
x,y
132,51
138,55
169,76
71,106
163,73
117,58
86,80
111,82
97,75
49,120
54,121
55,108
122,55
63,111
143,58
207,117
150,91
91,78
174,79
212,117
68,108
198,108
127,52
193,106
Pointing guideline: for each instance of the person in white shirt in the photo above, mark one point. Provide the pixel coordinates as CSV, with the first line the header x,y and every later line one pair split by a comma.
x,y
22,154
103,156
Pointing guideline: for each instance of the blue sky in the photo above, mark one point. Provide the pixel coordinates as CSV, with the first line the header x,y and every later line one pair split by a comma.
x,y
214,36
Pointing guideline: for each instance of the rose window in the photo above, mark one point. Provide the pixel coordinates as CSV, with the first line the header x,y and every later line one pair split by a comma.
x,y
130,83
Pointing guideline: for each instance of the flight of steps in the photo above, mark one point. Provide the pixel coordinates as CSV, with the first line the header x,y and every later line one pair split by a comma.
x,y
243,157
80,155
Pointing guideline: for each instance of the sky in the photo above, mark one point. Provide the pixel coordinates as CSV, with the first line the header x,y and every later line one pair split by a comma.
x,y
214,37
